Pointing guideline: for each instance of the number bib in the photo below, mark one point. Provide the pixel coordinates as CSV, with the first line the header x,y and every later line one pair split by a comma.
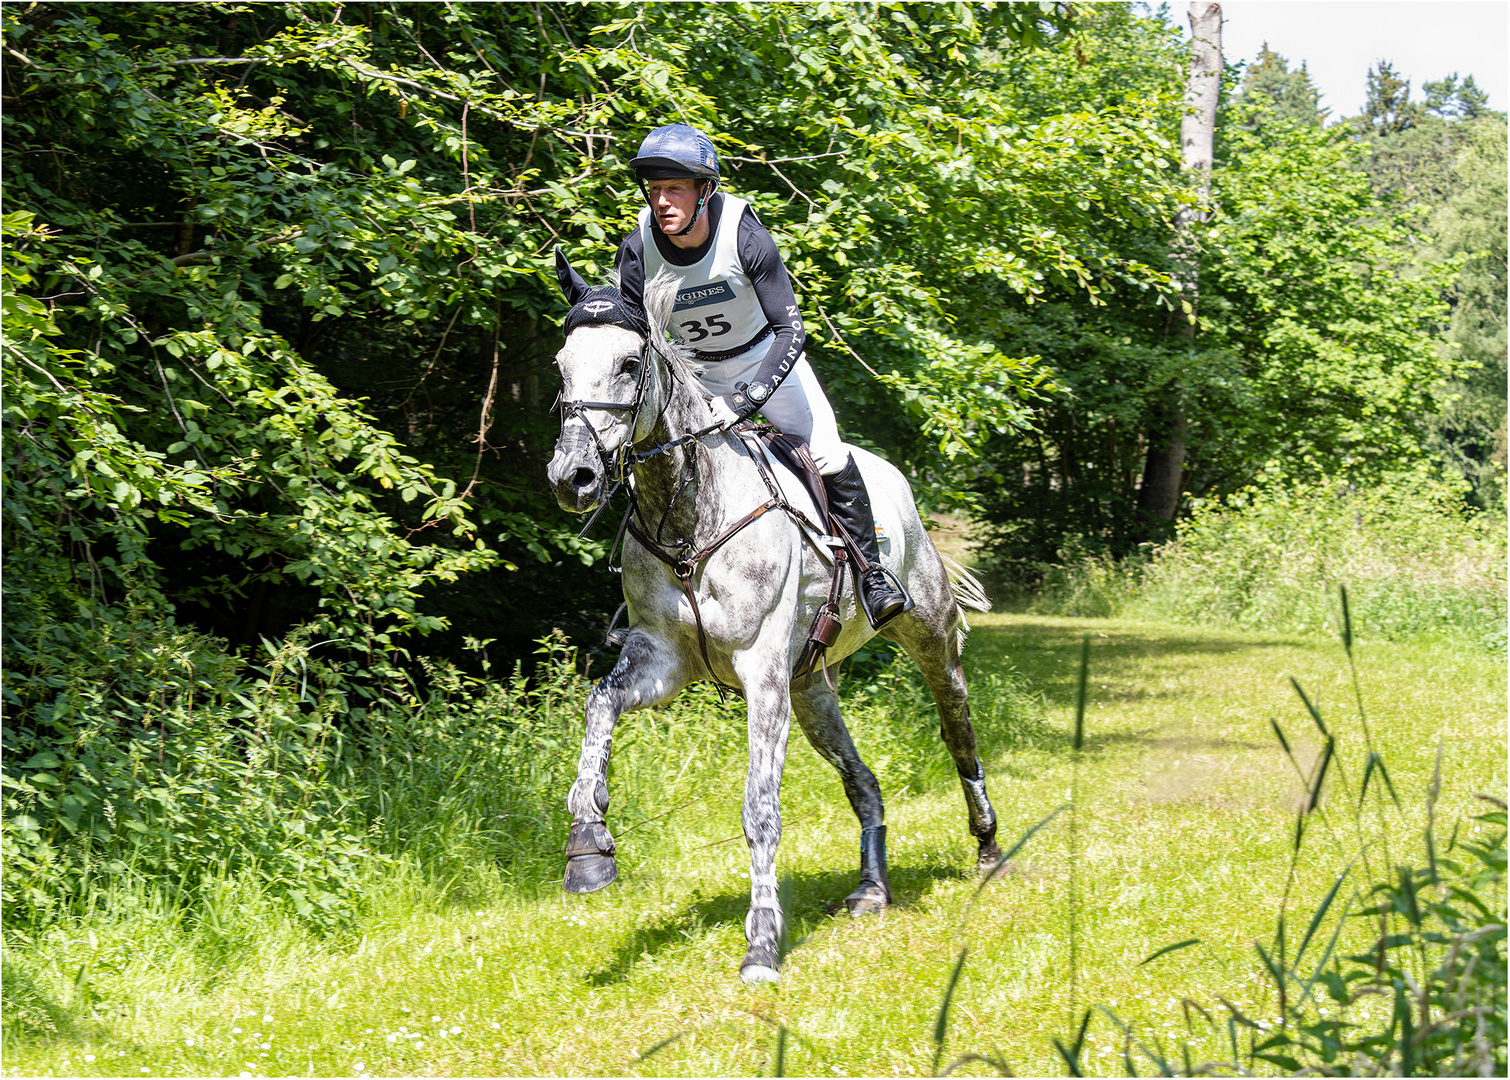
x,y
716,307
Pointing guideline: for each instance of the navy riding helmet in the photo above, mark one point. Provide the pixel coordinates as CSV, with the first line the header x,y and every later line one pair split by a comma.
x,y
678,151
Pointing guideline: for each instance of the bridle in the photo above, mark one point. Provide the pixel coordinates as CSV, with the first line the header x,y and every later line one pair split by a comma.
x,y
617,463
682,559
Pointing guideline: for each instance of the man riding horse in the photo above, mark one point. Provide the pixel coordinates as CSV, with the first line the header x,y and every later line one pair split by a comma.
x,y
735,308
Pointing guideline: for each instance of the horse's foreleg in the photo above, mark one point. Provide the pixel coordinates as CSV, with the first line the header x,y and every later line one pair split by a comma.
x,y
936,653
769,724
644,674
817,710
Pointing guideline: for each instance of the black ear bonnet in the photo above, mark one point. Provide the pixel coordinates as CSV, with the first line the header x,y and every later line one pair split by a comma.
x,y
602,305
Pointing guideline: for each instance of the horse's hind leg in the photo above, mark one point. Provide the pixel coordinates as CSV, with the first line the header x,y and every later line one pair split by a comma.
x,y
645,674
817,710
932,640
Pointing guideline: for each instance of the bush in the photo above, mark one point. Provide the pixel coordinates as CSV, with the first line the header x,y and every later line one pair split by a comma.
x,y
154,762
1415,560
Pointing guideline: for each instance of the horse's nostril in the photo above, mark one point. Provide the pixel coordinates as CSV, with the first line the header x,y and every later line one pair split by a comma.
x,y
583,478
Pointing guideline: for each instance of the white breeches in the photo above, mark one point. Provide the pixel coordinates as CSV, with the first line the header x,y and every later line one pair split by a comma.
x,y
798,407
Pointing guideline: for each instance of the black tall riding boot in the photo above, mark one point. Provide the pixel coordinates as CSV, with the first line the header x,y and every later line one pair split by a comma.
x,y
881,595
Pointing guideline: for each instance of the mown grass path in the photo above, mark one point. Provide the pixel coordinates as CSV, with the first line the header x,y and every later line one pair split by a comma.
x,y
1184,827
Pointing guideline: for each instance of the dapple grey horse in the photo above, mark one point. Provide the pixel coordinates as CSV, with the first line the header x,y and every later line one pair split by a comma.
x,y
633,410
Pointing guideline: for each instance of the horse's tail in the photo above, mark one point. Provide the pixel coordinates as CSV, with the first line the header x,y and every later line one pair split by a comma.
x,y
968,593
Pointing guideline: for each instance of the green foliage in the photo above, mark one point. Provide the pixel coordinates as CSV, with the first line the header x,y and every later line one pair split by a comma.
x,y
1388,108
1449,98
1317,348
1415,560
274,237
178,772
1447,165
1470,225
1279,92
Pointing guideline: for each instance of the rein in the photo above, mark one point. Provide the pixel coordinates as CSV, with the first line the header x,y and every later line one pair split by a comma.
x,y
681,563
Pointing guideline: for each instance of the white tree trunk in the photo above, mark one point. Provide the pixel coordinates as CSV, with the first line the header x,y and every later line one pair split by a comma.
x,y
1202,88
1163,469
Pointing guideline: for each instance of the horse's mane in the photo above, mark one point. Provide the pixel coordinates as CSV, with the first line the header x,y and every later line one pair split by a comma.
x,y
660,299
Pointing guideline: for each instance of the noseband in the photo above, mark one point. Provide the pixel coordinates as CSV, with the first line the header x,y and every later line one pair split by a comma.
x,y
617,463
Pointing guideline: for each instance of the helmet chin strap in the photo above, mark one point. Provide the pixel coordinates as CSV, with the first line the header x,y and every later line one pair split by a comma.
x,y
697,211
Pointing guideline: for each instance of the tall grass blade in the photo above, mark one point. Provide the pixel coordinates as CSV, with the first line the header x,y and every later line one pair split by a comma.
x,y
1169,949
1347,622
1405,1019
780,1069
1070,1064
1315,713
645,1055
1326,955
1012,851
1000,1064
1321,911
941,1024
1071,1054
1389,784
1127,1039
1080,695
1313,797
1431,814
1289,752
1277,974
1284,742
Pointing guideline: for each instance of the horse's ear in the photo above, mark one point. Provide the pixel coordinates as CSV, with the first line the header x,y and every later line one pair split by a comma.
x,y
572,284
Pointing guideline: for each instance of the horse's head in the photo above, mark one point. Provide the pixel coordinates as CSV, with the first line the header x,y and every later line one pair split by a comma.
x,y
609,391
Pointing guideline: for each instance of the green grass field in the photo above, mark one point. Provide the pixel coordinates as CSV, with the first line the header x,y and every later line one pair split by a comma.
x,y
1185,816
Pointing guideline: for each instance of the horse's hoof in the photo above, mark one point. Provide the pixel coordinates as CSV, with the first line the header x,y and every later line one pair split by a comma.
x,y
758,974
988,863
759,966
589,873
866,900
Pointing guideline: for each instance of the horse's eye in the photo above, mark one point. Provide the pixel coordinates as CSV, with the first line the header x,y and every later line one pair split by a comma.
x,y
630,365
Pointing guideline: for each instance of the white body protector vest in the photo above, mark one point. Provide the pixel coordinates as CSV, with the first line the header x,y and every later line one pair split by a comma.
x,y
716,310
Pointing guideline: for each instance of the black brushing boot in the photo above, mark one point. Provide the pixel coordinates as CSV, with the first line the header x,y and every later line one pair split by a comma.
x,y
881,595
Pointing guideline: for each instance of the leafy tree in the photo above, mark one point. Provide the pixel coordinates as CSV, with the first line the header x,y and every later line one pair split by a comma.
x,y
1450,99
1282,93
1317,356
1388,108
1448,168
1470,431
299,244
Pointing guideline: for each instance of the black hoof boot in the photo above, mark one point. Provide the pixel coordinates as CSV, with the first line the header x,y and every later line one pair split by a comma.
x,y
874,892
589,873
590,865
760,965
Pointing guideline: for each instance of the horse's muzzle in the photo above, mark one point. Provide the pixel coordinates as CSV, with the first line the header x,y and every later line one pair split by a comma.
x,y
576,471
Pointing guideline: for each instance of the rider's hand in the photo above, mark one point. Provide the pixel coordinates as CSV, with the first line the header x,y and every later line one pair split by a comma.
x,y
724,416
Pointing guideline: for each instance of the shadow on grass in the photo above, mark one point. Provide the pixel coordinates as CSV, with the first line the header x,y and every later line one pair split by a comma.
x,y
1047,654
810,900
32,1012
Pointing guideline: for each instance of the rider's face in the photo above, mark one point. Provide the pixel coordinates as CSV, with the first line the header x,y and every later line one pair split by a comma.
x,y
672,202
